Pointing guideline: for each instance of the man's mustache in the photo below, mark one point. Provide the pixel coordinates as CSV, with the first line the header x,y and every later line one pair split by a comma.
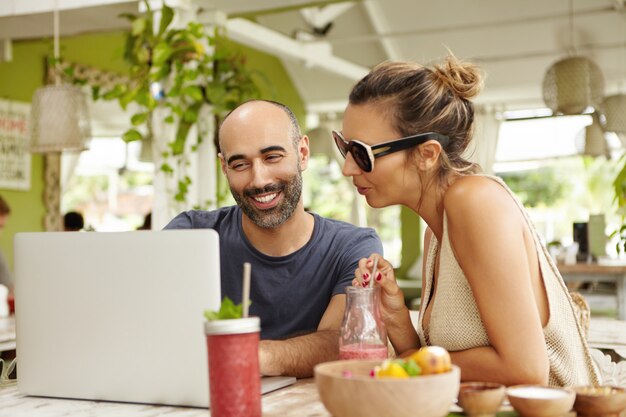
x,y
270,188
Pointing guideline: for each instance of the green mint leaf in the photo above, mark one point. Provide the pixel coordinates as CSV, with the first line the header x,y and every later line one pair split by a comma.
x,y
228,310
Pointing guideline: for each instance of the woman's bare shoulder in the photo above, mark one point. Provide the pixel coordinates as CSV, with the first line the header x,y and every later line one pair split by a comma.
x,y
476,193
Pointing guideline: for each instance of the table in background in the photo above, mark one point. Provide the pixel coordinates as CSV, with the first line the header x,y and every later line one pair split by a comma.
x,y
604,273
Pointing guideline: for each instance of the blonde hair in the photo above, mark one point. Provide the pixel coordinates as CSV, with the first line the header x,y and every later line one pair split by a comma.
x,y
422,99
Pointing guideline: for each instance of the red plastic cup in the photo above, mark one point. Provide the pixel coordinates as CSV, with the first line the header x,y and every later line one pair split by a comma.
x,y
234,376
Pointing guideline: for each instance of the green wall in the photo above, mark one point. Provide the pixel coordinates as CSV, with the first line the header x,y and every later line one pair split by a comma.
x,y
20,78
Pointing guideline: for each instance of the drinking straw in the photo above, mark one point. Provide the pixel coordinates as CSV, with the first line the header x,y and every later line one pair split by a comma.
x,y
246,288
374,272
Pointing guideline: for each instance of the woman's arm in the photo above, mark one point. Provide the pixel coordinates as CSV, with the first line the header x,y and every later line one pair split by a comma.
x,y
486,230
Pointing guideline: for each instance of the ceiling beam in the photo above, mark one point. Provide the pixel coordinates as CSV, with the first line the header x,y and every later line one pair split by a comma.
x,y
238,8
317,55
20,7
375,14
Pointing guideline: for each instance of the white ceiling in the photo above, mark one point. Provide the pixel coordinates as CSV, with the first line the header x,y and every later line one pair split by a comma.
x,y
514,41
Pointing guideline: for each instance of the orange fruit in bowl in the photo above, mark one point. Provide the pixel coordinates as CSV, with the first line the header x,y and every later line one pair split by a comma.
x,y
390,369
432,360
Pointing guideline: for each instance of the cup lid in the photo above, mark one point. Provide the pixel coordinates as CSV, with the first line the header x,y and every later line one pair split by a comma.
x,y
232,326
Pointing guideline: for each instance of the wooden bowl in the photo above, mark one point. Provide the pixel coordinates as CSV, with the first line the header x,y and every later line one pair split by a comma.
x,y
604,401
541,401
481,399
347,390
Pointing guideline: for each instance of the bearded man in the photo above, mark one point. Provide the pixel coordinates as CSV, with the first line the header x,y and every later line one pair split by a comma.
x,y
301,262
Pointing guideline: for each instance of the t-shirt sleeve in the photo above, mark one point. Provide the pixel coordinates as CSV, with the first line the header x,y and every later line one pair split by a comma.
x,y
365,243
182,221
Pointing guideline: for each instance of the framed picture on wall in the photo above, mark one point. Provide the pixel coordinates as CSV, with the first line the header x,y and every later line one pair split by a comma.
x,y
15,158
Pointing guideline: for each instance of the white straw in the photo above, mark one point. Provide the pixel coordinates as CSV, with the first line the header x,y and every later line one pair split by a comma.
x,y
374,272
246,288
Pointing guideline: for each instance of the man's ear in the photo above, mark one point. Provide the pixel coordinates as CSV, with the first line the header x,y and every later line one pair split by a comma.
x,y
222,162
429,153
304,152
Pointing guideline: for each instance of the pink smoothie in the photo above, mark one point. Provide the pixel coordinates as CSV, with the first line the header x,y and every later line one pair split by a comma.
x,y
357,351
234,379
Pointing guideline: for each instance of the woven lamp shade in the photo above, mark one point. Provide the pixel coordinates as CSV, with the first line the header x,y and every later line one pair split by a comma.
x,y
573,84
59,119
591,140
614,108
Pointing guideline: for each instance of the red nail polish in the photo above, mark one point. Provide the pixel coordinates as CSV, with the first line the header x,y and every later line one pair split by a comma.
x,y
364,284
379,277
366,275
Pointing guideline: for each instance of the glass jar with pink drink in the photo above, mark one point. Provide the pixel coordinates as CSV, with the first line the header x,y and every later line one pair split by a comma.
x,y
363,333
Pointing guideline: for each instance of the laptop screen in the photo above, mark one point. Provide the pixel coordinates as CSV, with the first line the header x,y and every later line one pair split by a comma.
x,y
115,316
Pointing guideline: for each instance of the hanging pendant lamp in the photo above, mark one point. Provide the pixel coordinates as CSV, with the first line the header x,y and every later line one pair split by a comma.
x,y
591,140
573,84
59,119
614,108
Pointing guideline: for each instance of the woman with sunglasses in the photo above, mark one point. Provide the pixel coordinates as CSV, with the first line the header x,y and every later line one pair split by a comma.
x,y
490,293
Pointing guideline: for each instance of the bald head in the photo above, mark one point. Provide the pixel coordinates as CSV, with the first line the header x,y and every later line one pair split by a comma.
x,y
252,117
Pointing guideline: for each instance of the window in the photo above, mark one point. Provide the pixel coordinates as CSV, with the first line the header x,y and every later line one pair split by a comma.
x,y
541,160
109,185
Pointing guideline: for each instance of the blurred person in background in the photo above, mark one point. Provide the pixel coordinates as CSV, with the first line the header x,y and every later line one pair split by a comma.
x,y
147,222
73,221
5,276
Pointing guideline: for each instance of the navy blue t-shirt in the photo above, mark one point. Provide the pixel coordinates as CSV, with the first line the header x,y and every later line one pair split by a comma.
x,y
289,293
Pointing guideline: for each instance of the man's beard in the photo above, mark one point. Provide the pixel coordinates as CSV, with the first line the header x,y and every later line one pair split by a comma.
x,y
275,216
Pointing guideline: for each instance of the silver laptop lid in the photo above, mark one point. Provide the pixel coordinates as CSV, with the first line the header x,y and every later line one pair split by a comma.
x,y
115,316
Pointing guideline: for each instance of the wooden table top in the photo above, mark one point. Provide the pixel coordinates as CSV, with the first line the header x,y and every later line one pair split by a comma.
x,y
593,268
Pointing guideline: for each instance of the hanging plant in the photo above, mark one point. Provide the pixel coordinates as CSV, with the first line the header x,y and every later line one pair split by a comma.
x,y
181,70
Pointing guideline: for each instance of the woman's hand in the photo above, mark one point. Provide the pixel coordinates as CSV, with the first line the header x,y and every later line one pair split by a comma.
x,y
392,298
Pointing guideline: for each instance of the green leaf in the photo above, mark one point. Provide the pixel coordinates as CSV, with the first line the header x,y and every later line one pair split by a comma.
x,y
191,115
138,119
162,53
128,16
167,168
138,26
128,97
167,15
142,55
215,92
169,119
132,135
95,92
69,71
116,92
228,310
194,92
178,147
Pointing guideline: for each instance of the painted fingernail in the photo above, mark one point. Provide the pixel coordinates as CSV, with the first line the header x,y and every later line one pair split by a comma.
x,y
366,275
364,284
379,277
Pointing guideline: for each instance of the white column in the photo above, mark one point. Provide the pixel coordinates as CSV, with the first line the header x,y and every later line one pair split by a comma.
x,y
201,163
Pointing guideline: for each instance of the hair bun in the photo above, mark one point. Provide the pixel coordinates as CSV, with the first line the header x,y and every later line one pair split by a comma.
x,y
463,78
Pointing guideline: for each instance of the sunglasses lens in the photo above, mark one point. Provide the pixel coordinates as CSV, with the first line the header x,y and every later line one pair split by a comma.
x,y
361,157
341,144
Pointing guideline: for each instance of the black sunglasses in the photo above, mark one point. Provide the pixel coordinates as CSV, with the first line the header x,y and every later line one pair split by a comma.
x,y
365,154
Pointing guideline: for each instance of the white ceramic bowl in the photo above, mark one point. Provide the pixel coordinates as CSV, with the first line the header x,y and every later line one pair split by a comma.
x,y
540,401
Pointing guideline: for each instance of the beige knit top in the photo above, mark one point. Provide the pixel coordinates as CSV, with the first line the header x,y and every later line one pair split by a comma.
x,y
455,322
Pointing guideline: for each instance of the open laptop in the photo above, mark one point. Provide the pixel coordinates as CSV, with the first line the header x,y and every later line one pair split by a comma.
x,y
117,316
